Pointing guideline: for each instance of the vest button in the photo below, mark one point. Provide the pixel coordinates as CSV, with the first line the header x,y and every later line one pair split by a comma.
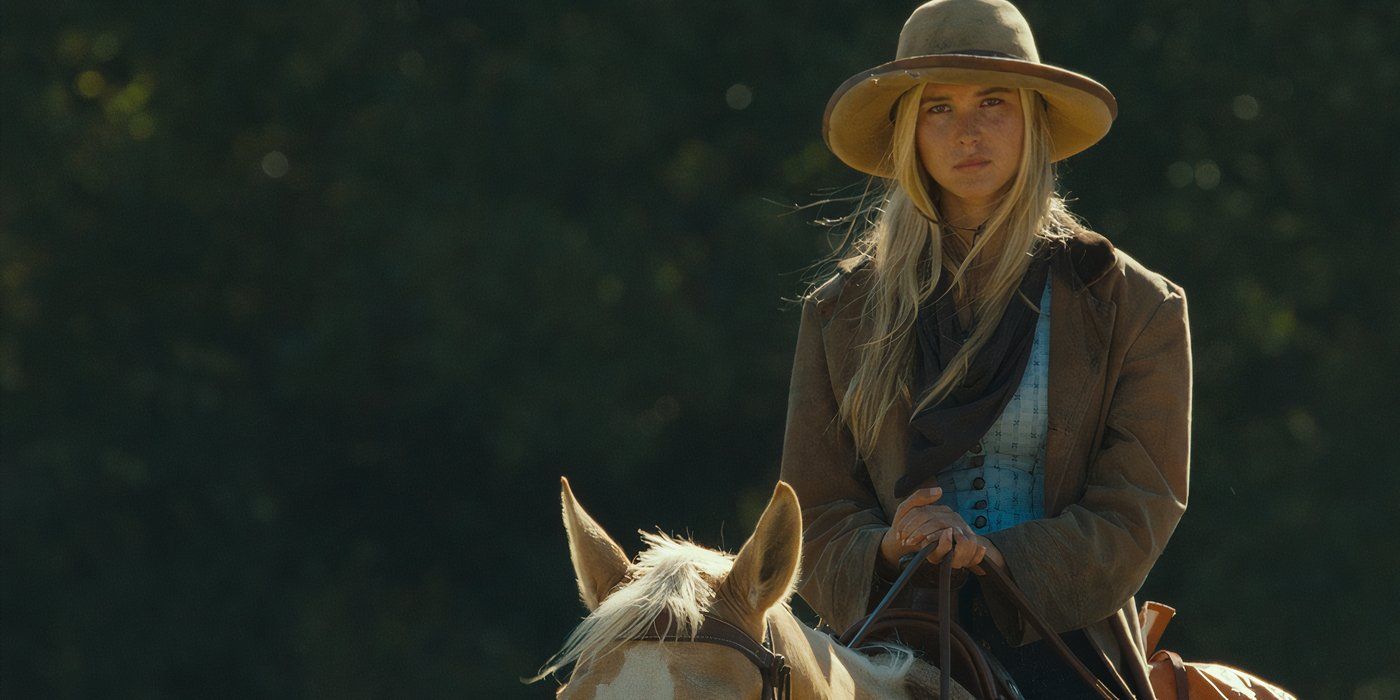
x,y
980,505
979,483
981,521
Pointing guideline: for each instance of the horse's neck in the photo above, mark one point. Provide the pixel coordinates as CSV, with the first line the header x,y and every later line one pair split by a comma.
x,y
822,668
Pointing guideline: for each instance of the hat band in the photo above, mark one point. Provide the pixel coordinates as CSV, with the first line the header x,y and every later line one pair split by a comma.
x,y
977,52
964,52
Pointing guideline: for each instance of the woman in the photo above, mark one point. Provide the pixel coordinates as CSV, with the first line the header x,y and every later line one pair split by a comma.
x,y
984,370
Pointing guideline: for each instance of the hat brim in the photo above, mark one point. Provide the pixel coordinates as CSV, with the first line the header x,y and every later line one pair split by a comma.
x,y
856,125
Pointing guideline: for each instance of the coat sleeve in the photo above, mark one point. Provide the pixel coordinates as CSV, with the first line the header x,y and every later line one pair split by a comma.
x,y
843,522
1081,565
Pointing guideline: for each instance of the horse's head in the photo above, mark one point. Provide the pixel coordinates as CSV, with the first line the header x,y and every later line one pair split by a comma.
x,y
687,583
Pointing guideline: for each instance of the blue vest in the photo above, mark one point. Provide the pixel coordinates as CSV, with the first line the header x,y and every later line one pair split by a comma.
x,y
1003,482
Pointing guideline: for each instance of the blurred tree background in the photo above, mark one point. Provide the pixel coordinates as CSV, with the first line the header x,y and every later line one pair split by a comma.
x,y
307,306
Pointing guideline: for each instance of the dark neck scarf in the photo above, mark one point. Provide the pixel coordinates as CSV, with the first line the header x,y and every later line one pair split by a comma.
x,y
942,432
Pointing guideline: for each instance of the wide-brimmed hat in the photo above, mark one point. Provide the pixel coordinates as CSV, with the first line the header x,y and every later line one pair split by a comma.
x,y
976,42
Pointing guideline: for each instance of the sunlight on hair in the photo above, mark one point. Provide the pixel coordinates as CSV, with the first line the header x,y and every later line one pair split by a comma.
x,y
909,254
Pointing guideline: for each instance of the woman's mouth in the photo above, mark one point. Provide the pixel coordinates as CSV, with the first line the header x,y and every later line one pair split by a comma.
x,y
972,166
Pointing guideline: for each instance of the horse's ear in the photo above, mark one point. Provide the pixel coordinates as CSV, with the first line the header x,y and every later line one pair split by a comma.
x,y
599,563
766,567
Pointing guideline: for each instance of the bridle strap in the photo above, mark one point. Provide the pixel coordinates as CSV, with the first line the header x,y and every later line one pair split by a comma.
x,y
777,675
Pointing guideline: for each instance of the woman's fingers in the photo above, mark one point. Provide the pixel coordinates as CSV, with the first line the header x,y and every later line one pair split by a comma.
x,y
979,553
922,497
923,512
945,544
928,521
912,518
923,531
965,552
963,547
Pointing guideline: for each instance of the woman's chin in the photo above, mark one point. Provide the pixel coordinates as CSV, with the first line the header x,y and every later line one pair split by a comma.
x,y
970,192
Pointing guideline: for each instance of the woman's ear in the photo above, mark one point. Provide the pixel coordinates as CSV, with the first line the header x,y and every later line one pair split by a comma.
x,y
599,563
766,568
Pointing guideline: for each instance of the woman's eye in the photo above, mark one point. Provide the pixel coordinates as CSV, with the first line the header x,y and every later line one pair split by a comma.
x,y
943,109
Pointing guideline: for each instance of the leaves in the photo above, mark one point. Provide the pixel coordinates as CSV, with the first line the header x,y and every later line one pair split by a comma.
x,y
306,309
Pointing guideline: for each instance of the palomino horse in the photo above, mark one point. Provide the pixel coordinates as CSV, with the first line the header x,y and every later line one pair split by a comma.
x,y
739,600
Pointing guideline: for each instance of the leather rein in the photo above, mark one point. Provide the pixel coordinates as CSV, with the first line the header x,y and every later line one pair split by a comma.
x,y
884,617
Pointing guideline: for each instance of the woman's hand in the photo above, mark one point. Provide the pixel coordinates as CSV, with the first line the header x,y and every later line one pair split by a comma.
x,y
917,521
993,555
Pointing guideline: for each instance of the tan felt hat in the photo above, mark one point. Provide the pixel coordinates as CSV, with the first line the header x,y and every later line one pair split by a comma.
x,y
977,42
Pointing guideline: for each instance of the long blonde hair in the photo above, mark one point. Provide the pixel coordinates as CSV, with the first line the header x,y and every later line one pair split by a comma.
x,y
909,253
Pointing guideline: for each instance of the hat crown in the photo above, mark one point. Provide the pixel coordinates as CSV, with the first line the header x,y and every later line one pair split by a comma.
x,y
967,26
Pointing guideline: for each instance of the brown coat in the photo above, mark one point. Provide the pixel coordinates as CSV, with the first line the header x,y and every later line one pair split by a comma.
x,y
1117,453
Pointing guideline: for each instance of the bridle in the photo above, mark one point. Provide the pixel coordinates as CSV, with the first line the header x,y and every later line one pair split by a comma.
x,y
772,666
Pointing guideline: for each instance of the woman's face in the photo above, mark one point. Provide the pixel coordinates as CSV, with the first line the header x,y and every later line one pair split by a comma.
x,y
969,138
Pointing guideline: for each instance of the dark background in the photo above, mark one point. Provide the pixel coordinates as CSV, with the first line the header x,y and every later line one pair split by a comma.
x,y
307,306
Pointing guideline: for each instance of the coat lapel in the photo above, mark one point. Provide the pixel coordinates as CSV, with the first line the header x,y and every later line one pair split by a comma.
x,y
1080,326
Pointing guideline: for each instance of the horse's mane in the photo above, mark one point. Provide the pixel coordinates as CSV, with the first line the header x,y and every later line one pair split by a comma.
x,y
671,574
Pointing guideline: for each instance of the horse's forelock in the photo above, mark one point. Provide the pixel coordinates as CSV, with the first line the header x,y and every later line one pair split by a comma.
x,y
672,574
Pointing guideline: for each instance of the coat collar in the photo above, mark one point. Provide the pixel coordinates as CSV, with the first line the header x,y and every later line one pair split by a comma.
x,y
1090,255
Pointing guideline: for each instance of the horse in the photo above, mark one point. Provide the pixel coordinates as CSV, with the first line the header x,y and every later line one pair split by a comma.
x,y
740,603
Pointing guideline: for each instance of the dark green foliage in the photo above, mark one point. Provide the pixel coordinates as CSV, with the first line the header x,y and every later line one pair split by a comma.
x,y
305,309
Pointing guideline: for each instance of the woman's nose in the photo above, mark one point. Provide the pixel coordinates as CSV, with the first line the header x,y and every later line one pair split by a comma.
x,y
969,130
